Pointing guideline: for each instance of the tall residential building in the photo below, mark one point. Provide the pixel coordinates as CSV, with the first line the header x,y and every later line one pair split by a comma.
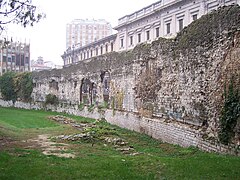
x,y
14,56
82,32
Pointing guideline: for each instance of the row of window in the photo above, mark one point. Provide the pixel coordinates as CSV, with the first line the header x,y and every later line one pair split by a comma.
x,y
16,59
90,53
157,32
15,69
139,37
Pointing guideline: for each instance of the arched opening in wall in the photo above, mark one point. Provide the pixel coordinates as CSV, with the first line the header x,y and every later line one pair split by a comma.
x,y
94,93
53,85
105,79
88,92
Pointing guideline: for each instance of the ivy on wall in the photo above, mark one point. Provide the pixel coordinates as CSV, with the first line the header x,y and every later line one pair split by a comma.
x,y
230,113
15,86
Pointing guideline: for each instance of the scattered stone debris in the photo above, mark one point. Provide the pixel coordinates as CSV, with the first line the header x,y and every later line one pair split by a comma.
x,y
62,119
115,141
5,142
70,121
52,148
125,150
74,137
88,133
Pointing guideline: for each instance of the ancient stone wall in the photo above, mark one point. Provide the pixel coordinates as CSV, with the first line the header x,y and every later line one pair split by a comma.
x,y
171,89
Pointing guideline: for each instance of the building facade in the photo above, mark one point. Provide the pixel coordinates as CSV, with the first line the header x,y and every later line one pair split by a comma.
x,y
15,56
96,48
165,18
40,65
82,32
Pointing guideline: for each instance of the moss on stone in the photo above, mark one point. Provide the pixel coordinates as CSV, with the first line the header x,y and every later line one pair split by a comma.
x,y
203,31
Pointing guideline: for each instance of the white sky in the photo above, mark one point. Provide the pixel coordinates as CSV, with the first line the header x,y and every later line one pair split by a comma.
x,y
48,37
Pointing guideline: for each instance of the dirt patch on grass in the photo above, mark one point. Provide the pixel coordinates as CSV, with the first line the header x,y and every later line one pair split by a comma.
x,y
51,148
5,142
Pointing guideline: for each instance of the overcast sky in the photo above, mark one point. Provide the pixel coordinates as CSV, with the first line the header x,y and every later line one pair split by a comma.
x,y
48,37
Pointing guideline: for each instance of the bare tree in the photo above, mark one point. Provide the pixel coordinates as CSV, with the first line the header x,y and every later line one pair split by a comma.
x,y
21,12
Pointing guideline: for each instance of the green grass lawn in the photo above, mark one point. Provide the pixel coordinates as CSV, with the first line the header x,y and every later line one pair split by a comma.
x,y
155,160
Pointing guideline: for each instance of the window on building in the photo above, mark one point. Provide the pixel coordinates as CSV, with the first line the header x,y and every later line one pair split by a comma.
x,y
106,48
194,17
157,32
4,58
168,25
112,46
101,50
91,53
148,35
180,24
13,59
131,40
22,60
121,43
96,51
26,59
139,37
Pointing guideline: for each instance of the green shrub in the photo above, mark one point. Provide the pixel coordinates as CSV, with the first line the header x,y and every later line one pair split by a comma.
x,y
103,105
230,113
23,85
16,85
91,108
7,86
51,99
81,106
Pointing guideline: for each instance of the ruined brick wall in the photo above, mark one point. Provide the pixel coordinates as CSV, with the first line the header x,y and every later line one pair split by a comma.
x,y
173,81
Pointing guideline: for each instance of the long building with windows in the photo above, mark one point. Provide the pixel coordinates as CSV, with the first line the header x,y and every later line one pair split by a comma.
x,y
164,18
14,56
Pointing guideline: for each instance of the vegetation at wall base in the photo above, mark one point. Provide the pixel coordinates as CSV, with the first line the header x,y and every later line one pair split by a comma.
x,y
51,99
230,113
91,108
19,159
81,106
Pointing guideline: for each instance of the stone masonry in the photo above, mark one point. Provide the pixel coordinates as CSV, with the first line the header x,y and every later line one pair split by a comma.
x,y
171,89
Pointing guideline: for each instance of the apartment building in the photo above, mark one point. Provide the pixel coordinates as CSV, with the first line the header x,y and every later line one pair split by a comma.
x,y
164,18
15,56
81,32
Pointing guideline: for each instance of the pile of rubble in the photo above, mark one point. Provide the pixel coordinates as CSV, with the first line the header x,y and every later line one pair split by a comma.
x,y
70,121
74,137
89,134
